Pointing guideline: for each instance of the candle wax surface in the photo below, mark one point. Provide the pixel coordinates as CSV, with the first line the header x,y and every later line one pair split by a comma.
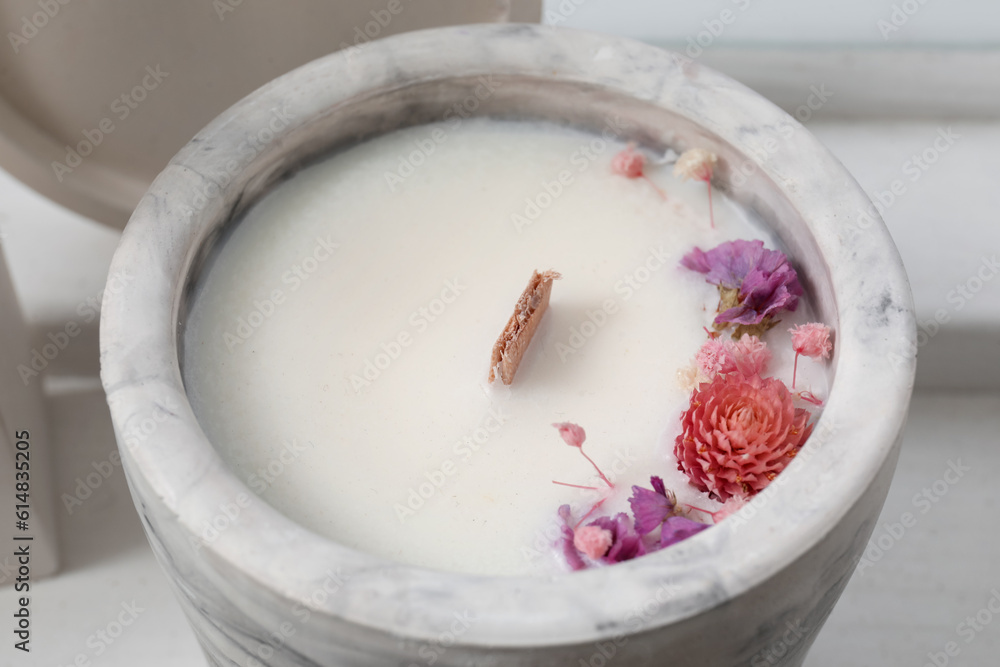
x,y
338,344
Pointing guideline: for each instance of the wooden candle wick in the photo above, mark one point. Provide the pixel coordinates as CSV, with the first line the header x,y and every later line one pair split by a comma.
x,y
514,339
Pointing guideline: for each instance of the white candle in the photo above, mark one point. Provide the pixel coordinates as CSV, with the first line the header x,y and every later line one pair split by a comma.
x,y
338,347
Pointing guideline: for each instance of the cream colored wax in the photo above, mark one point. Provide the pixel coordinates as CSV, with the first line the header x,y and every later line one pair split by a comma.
x,y
338,347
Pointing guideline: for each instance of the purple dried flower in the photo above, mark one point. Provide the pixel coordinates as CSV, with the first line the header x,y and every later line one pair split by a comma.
x,y
726,264
572,556
651,508
678,528
755,283
626,544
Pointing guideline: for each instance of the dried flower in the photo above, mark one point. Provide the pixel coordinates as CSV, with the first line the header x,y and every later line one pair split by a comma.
x,y
574,436
630,163
651,508
678,528
755,284
749,355
567,539
811,339
626,544
592,541
808,396
730,507
606,539
698,163
738,433
715,357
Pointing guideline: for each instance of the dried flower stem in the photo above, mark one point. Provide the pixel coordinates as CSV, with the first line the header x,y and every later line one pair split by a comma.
x,y
576,486
586,516
711,211
659,191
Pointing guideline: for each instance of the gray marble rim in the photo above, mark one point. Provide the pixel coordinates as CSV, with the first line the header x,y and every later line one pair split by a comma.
x,y
857,278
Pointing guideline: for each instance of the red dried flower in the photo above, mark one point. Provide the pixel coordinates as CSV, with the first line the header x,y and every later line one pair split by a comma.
x,y
738,433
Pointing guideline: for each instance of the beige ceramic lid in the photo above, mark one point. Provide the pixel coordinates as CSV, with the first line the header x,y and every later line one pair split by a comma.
x,y
136,79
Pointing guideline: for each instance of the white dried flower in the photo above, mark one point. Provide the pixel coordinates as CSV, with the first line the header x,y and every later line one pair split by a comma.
x,y
696,163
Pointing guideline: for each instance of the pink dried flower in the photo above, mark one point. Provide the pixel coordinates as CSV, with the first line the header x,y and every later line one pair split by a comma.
x,y
714,357
811,339
629,162
574,436
749,355
738,433
592,541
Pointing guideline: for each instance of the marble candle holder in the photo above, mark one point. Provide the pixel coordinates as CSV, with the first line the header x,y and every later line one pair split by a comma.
x,y
259,589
